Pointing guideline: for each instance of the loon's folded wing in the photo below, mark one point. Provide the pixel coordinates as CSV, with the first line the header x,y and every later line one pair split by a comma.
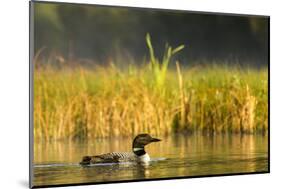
x,y
113,157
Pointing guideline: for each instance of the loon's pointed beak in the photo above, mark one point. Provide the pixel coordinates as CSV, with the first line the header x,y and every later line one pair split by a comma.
x,y
155,140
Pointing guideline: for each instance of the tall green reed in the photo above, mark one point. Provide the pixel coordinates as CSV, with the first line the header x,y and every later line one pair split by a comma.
x,y
159,68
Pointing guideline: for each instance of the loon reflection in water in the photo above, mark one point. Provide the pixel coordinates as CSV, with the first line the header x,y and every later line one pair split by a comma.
x,y
138,155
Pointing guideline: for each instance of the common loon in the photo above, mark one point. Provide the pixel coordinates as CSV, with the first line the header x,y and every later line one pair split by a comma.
x,y
139,155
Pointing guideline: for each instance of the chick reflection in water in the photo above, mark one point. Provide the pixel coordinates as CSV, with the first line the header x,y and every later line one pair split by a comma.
x,y
138,155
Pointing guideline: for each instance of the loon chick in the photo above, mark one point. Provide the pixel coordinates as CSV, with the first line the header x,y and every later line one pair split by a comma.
x,y
138,155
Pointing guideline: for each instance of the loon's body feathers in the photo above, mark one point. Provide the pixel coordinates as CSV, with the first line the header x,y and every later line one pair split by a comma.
x,y
138,154
113,157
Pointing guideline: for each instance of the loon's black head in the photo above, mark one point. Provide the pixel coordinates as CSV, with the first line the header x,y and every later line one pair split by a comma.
x,y
142,140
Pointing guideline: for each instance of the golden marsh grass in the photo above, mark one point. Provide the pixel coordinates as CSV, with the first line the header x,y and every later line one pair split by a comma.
x,y
106,101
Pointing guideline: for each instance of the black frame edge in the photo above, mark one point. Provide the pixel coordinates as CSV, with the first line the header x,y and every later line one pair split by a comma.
x,y
31,55
149,180
268,93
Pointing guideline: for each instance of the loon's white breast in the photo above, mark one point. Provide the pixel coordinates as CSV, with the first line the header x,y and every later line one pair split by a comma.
x,y
144,158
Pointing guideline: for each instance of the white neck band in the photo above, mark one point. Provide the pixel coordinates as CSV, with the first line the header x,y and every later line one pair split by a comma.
x,y
137,149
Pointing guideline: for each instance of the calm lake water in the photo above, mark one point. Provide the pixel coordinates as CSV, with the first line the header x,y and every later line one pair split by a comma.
x,y
174,156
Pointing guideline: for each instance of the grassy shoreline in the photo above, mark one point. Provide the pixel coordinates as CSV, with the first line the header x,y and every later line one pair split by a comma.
x,y
107,101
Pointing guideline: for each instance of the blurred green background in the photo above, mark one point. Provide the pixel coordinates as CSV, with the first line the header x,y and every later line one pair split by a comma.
x,y
100,33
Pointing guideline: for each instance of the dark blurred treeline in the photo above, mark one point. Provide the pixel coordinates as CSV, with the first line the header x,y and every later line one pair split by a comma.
x,y
100,33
